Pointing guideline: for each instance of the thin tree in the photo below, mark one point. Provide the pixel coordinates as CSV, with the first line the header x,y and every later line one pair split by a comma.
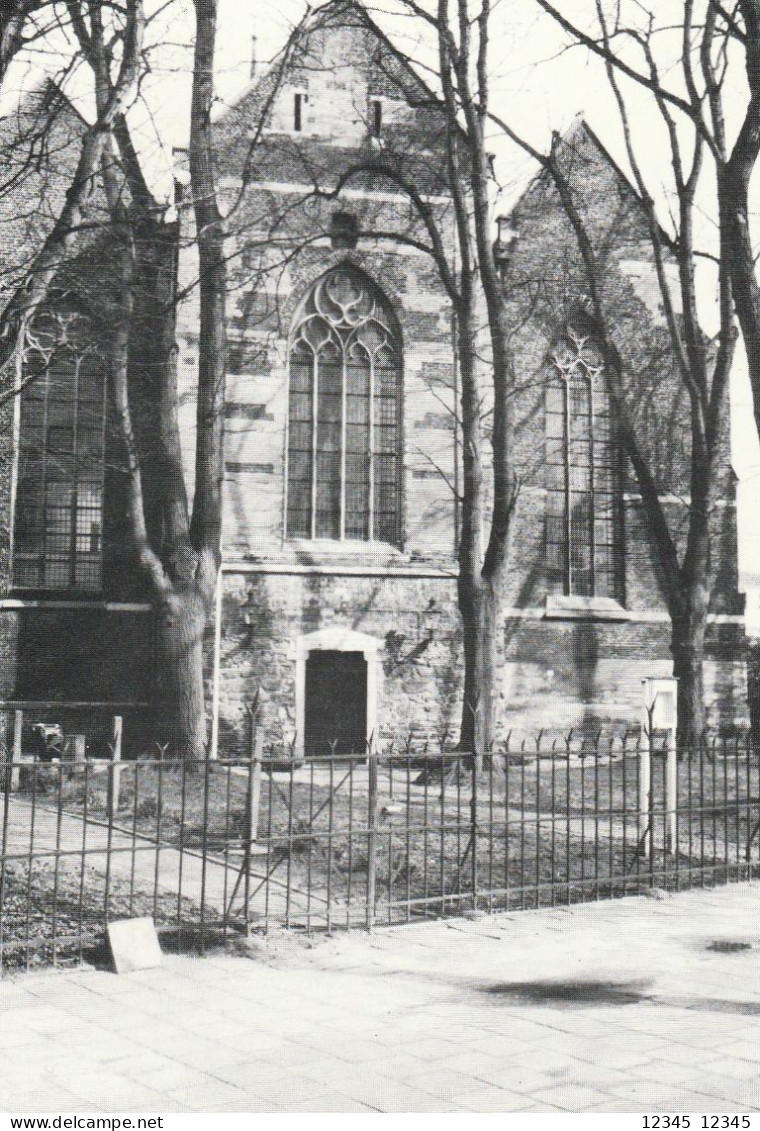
x,y
62,239
703,364
469,273
719,42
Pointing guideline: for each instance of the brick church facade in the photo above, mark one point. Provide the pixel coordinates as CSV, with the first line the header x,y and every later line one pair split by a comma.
x,y
337,598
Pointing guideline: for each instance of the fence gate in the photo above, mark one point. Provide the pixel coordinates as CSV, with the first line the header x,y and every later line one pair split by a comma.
x,y
248,843
388,838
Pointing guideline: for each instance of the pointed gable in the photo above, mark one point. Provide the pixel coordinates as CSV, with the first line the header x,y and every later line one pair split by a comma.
x,y
338,93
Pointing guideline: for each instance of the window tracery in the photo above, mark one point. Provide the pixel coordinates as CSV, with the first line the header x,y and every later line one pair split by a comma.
x,y
581,526
344,414
58,542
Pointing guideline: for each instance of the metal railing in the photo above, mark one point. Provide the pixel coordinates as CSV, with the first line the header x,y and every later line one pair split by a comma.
x,y
395,835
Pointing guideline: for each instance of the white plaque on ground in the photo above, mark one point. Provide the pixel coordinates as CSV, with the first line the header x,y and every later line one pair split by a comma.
x,y
134,944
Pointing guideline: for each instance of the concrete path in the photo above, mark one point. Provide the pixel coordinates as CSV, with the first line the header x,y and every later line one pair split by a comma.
x,y
635,1005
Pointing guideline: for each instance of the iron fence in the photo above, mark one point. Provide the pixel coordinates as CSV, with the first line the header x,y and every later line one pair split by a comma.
x,y
247,843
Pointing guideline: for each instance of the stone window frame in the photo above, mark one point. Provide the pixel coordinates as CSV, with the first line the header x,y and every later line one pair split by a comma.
x,y
347,327
300,102
582,519
59,495
336,638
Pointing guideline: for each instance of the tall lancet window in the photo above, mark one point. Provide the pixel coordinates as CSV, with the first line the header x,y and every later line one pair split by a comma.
x,y
344,428
58,529
581,523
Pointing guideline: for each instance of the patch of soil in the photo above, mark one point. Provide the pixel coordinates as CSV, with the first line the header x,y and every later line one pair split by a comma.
x,y
55,916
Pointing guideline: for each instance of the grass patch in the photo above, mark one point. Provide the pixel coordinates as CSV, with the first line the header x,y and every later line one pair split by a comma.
x,y
58,915
548,830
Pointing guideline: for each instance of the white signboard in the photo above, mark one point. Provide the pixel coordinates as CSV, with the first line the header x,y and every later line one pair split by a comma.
x,y
660,704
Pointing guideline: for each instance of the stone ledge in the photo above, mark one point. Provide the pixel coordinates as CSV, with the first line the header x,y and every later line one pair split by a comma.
x,y
584,608
410,570
86,604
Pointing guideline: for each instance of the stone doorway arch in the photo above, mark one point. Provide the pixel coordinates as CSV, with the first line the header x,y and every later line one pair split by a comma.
x,y
338,673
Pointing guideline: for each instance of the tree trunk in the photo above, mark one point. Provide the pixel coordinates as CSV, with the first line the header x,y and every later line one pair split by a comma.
x,y
687,645
192,556
472,589
180,621
478,606
689,614
179,590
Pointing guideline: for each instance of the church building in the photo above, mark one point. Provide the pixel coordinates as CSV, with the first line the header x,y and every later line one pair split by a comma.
x,y
337,601
343,452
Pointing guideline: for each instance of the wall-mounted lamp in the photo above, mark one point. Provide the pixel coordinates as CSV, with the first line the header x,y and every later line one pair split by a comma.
x,y
504,244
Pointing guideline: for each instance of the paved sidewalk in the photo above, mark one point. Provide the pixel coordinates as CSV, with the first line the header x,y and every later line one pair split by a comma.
x,y
630,1005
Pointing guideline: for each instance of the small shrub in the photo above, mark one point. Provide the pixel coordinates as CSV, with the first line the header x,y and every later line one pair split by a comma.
x,y
147,809
41,782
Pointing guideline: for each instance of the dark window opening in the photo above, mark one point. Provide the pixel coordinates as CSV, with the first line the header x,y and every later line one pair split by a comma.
x,y
335,720
344,230
377,117
299,100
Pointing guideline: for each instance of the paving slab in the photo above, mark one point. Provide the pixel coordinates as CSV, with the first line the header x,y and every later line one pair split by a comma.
x,y
620,1006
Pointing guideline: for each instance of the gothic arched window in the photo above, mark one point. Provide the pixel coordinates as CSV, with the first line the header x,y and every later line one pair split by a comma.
x,y
581,526
344,426
58,532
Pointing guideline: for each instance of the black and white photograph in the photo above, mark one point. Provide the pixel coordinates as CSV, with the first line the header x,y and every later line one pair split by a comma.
x,y
380,562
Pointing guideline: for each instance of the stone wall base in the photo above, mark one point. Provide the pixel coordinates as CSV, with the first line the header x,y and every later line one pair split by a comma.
x,y
554,674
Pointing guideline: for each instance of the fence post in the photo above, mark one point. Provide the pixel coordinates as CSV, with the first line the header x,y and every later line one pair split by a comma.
x,y
18,726
671,793
371,838
476,765
254,793
659,711
645,794
114,770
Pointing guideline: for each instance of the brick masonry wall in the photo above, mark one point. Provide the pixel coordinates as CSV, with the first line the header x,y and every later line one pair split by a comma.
x,y
544,290
27,213
552,672
264,301
414,619
86,652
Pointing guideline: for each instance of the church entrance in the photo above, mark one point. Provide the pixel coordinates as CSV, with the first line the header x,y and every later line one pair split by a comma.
x,y
335,715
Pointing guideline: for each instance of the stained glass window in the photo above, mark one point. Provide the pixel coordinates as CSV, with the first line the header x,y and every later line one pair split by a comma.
x,y
59,496
581,522
344,429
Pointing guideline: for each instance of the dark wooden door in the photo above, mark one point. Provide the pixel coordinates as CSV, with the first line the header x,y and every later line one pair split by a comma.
x,y
336,704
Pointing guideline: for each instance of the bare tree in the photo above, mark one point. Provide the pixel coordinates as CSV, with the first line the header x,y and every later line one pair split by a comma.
x,y
175,534
60,241
17,19
693,122
177,546
686,558
717,42
469,273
